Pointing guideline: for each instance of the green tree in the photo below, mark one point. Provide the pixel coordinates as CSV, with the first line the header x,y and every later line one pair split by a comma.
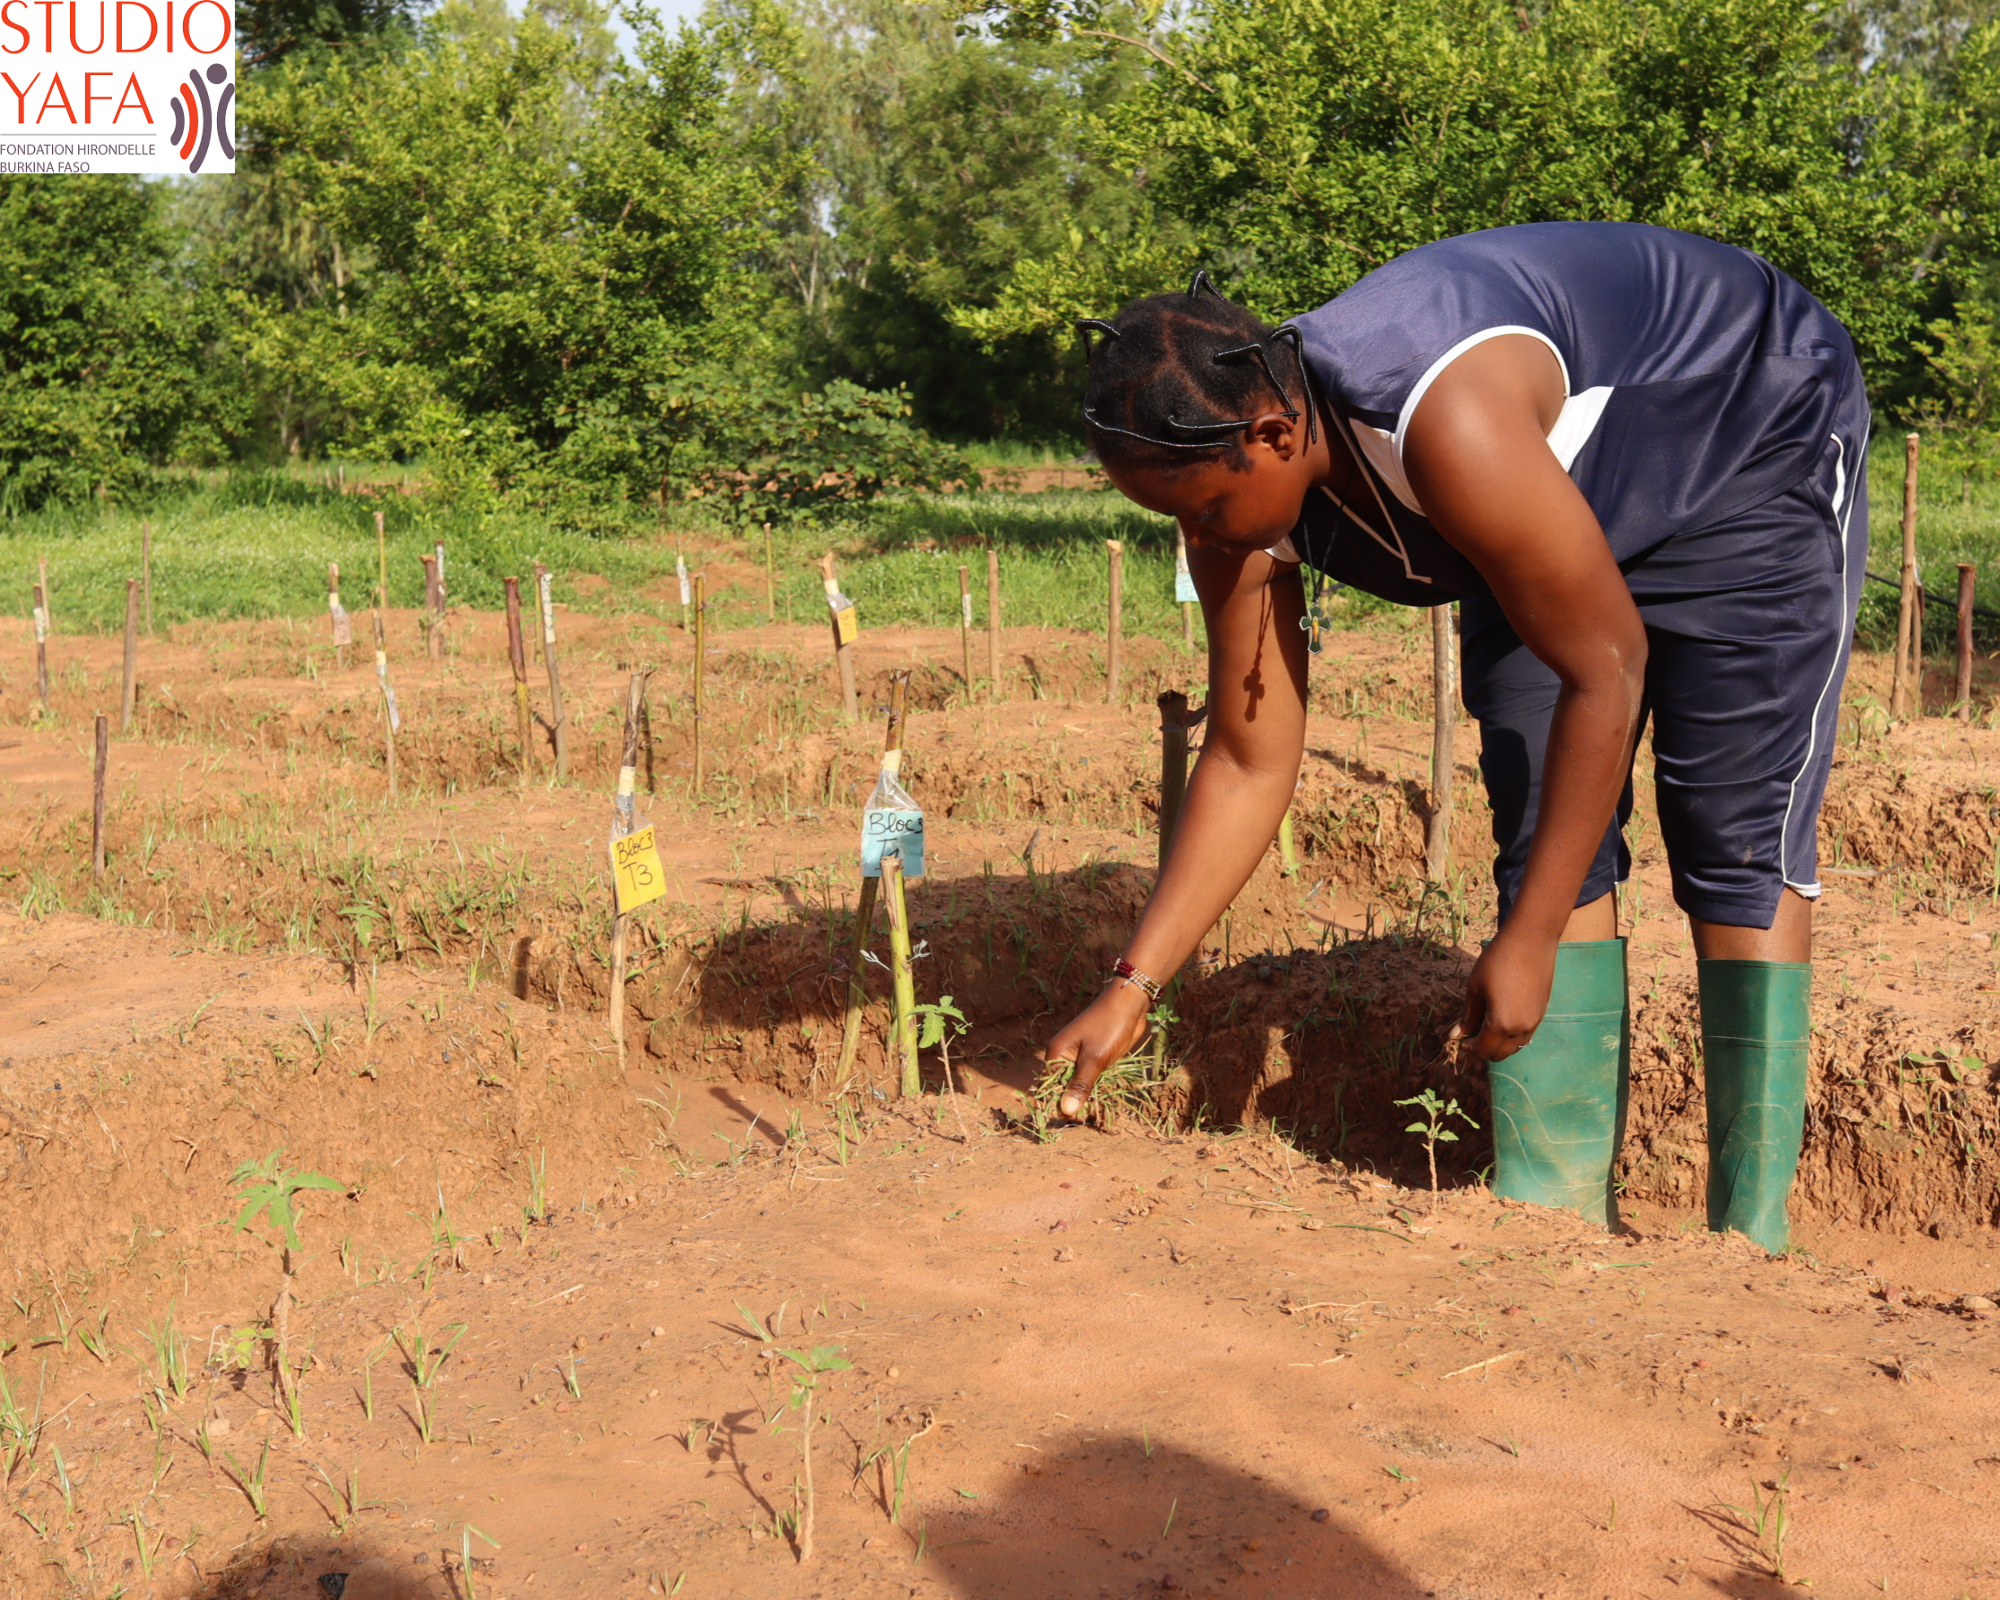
x,y
936,158
1306,142
102,336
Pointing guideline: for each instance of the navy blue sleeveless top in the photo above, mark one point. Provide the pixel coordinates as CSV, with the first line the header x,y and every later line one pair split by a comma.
x,y
1701,381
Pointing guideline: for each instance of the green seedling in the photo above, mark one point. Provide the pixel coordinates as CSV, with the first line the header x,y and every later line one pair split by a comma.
x,y
425,1363
1433,1129
570,1381
368,1376
1767,1522
846,1129
320,1038
814,1366
1169,1528
63,1483
93,1339
147,1552
251,1483
465,1537
271,1190
18,1433
537,1208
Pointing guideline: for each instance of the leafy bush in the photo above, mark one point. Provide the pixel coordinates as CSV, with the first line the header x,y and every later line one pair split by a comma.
x,y
758,454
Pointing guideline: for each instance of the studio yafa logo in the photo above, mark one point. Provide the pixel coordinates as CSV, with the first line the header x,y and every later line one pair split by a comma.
x,y
198,119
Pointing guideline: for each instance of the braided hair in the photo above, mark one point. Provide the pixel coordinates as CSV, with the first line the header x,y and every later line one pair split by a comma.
x,y
1175,379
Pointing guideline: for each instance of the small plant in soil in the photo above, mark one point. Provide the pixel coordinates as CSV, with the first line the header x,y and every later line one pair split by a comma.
x,y
170,1359
814,1366
271,1190
251,1483
1433,1130
1766,1523
537,1208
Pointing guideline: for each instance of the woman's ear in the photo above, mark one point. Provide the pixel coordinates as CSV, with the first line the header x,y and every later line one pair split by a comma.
x,y
1282,435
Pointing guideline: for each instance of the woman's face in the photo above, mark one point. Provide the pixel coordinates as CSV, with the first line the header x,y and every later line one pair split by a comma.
x,y
1233,508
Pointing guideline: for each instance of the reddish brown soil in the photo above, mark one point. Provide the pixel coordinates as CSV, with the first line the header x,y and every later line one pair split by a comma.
x,y
410,997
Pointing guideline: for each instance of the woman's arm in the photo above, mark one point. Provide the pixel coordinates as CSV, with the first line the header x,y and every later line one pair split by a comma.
x,y
1478,458
1241,786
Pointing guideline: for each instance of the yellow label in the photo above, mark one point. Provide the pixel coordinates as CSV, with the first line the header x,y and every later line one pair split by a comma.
x,y
845,625
636,875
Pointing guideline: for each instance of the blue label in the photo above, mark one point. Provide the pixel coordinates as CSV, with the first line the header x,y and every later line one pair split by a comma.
x,y
1184,594
900,831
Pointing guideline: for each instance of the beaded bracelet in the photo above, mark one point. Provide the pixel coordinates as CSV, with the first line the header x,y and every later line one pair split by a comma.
x,y
1123,971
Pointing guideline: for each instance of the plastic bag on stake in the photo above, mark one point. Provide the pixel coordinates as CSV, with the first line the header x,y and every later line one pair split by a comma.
x,y
892,820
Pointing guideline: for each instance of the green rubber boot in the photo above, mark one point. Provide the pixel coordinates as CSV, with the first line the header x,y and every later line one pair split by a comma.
x,y
1559,1103
1755,1019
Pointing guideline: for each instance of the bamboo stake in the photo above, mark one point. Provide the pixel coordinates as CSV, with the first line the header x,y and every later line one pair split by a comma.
x,y
1963,692
389,717
843,650
146,570
381,561
864,911
517,658
42,641
1173,766
103,756
129,692
993,623
700,665
770,579
623,819
1906,698
1288,850
902,979
1444,729
343,629
558,722
1114,619
965,628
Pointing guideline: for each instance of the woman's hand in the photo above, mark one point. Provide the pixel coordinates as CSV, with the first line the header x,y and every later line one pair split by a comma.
x,y
1507,994
1105,1031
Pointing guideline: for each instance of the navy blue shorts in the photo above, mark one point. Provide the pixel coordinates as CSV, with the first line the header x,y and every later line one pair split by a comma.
x,y
1748,624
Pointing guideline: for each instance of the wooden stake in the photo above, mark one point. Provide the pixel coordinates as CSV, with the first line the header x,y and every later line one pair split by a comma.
x,y
381,561
433,643
843,648
1963,692
1173,766
517,658
558,722
389,717
1114,619
343,629
770,579
864,911
623,817
97,799
42,639
1906,697
1444,729
993,623
130,691
965,628
1187,606
903,1034
146,570
700,665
